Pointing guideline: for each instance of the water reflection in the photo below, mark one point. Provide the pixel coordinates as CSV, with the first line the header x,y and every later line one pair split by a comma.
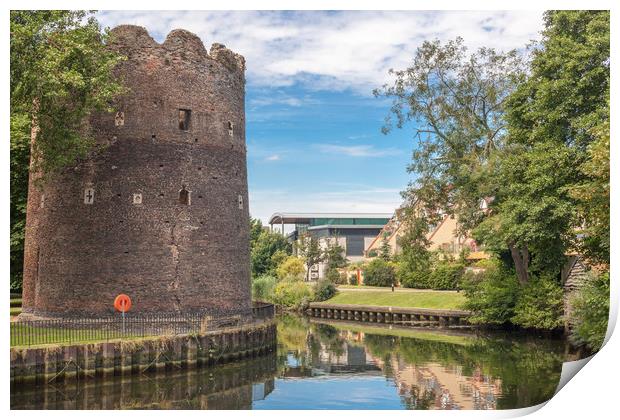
x,y
233,386
427,369
338,366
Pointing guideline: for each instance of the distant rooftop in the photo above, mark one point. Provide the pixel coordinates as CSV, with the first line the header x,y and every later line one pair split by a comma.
x,y
327,218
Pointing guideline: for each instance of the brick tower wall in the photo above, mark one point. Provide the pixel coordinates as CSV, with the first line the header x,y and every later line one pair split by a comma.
x,y
161,212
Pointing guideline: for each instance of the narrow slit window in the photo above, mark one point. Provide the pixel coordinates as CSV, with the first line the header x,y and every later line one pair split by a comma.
x,y
184,119
89,196
230,126
184,196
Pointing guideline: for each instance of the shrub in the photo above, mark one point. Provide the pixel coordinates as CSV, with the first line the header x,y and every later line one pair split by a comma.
x,y
379,272
446,276
489,263
417,279
590,312
262,287
353,279
540,304
333,275
491,296
292,294
324,290
291,266
373,253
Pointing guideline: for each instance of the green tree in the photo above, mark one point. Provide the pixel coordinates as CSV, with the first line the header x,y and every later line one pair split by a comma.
x,y
310,249
334,255
533,213
60,73
456,100
385,252
256,228
566,94
414,259
265,248
553,116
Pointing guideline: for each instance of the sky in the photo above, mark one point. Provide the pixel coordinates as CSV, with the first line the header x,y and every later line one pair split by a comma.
x,y
313,129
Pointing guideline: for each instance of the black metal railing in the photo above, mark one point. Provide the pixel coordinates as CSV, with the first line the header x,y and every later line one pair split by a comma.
x,y
263,310
67,331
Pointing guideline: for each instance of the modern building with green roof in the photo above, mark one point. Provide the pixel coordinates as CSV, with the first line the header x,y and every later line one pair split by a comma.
x,y
353,231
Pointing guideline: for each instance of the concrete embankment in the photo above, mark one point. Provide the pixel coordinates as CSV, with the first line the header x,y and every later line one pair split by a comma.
x,y
54,363
389,314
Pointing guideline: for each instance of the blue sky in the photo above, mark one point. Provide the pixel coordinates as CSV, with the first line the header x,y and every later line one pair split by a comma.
x,y
313,127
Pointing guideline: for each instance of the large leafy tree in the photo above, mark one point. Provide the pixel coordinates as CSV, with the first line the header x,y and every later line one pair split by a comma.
x,y
532,213
60,73
550,170
566,94
536,144
456,100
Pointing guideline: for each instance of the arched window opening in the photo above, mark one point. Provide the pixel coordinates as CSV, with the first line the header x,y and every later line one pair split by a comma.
x,y
184,196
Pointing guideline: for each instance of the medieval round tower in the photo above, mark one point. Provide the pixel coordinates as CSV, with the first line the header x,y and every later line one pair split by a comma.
x,y
160,211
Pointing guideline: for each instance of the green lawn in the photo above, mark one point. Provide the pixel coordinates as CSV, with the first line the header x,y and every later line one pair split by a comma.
x,y
405,299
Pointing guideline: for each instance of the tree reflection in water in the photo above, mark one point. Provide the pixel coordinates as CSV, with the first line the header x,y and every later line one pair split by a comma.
x,y
432,369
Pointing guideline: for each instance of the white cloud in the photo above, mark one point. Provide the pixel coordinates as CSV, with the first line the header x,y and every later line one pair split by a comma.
x,y
265,97
272,158
363,199
363,150
335,50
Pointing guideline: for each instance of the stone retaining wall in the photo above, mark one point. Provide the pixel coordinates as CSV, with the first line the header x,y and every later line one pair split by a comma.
x,y
56,363
389,314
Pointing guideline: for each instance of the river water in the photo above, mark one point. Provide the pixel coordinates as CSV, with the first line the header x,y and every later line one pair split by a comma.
x,y
336,365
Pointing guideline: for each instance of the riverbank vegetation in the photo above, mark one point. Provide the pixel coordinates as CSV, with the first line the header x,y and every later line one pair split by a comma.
x,y
591,312
281,278
515,146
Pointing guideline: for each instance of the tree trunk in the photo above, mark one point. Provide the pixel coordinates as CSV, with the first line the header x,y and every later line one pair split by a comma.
x,y
521,258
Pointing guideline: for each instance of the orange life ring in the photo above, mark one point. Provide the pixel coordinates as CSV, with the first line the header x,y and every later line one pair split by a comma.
x,y
122,303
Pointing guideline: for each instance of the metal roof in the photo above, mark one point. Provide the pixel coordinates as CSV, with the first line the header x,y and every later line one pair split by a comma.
x,y
342,227
293,218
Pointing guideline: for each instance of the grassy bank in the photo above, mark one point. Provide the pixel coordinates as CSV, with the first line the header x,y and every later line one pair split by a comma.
x,y
409,299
